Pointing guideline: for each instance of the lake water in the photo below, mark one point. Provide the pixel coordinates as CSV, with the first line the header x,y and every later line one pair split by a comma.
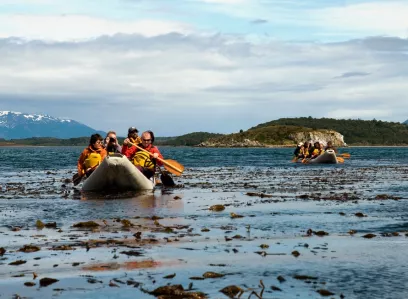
x,y
279,201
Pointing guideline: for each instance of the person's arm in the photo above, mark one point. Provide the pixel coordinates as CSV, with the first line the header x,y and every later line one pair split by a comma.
x,y
156,154
80,164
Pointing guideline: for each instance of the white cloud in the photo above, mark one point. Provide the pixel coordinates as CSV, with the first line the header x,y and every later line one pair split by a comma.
x,y
375,18
182,83
77,27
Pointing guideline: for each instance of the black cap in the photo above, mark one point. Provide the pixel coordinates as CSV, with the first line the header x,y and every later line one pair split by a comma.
x,y
133,129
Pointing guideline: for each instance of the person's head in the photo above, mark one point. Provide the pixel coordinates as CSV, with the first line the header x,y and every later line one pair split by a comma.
x,y
300,144
306,144
329,144
147,138
96,141
317,144
112,136
132,132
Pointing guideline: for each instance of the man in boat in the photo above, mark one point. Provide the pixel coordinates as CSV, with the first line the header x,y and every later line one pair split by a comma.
x,y
128,143
91,156
111,143
145,162
330,146
298,150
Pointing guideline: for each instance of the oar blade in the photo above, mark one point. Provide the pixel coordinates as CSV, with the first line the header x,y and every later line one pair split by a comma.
x,y
345,155
173,167
340,160
167,180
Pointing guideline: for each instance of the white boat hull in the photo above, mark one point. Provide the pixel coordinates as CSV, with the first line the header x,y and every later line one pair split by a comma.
x,y
328,157
116,172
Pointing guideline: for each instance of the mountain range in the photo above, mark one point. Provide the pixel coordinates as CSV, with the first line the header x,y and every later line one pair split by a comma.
x,y
17,125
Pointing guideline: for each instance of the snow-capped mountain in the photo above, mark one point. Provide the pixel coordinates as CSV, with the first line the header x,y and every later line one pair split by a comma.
x,y
406,122
16,125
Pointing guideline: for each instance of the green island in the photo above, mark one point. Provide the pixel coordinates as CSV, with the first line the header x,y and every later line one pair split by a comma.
x,y
282,132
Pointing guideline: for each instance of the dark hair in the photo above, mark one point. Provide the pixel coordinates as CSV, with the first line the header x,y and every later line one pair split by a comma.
x,y
95,138
151,135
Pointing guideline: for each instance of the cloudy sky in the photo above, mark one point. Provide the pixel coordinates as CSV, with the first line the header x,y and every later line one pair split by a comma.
x,y
181,66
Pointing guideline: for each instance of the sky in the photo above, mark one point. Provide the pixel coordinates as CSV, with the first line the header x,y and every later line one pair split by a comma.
x,y
182,66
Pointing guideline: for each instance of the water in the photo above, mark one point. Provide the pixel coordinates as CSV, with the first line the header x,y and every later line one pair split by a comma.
x,y
35,186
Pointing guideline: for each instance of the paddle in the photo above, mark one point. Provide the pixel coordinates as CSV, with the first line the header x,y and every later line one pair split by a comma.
x,y
340,160
295,158
344,155
170,165
166,179
76,178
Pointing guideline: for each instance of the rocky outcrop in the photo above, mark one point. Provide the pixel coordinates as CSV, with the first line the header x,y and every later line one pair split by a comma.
x,y
230,142
322,136
237,140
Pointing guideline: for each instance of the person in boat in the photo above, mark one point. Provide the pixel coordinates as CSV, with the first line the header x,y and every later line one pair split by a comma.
x,y
330,146
132,139
91,156
298,150
145,162
317,151
304,153
111,143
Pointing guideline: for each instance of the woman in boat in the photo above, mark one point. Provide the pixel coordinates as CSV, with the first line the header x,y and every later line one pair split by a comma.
x,y
91,156
304,153
111,143
145,162
318,150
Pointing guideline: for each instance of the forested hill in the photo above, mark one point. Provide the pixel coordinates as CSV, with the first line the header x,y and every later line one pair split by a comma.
x,y
355,131
187,139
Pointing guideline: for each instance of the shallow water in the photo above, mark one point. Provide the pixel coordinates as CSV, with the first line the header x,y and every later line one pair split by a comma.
x,y
190,240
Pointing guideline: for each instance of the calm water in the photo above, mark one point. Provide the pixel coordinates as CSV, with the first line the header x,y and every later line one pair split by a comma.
x,y
35,185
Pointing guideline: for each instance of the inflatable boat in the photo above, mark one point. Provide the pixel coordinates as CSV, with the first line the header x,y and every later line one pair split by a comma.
x,y
116,172
328,157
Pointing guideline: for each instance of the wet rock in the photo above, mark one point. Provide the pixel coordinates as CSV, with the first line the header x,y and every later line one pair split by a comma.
x,y
86,224
29,248
325,292
233,216
258,194
197,278
29,284
93,281
51,225
2,251
321,233
369,236
281,278
132,253
360,215
113,285
46,281
352,231
304,277
126,223
17,263
264,246
39,224
212,275
295,253
217,208
63,247
342,214
273,288
176,291
204,230
232,291
138,235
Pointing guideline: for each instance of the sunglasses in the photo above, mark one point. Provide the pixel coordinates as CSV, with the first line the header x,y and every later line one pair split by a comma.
x,y
98,142
146,140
